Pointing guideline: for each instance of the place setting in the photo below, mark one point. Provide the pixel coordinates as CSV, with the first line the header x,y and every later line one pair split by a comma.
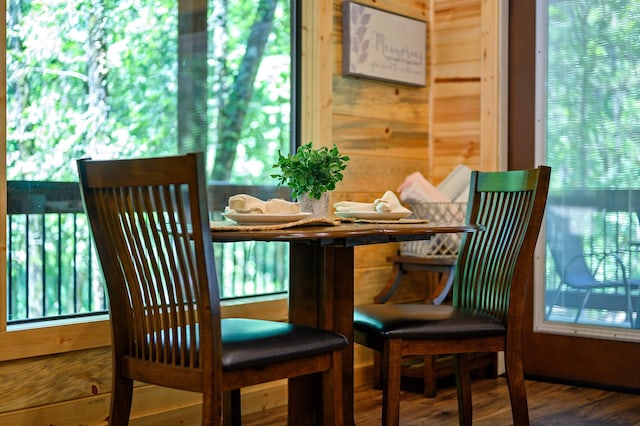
x,y
386,209
246,212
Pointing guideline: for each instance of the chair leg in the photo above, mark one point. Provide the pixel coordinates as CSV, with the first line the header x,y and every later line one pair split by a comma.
x,y
584,303
121,396
517,389
332,409
213,408
391,364
429,376
377,370
463,386
629,306
555,301
232,408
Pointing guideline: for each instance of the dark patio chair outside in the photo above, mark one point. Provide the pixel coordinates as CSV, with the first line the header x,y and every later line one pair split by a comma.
x,y
572,265
150,225
494,268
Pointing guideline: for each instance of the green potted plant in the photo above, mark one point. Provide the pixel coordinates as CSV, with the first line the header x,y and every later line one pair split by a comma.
x,y
311,172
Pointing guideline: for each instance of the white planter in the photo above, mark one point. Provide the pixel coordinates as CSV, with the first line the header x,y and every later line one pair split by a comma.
x,y
317,208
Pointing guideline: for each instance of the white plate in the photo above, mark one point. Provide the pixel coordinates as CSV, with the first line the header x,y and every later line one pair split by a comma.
x,y
264,219
373,215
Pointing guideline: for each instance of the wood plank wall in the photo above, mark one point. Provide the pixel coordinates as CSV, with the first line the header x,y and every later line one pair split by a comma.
x,y
455,112
388,130
391,130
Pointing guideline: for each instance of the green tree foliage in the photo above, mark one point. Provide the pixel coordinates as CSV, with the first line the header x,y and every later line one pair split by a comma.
x,y
101,78
125,78
593,130
593,93
232,114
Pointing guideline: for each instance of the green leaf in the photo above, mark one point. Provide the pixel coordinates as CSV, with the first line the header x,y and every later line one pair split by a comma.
x,y
311,171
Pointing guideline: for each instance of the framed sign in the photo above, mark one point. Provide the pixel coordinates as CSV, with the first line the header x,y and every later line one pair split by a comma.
x,y
382,45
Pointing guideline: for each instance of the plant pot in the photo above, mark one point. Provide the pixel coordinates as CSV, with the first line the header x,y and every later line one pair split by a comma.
x,y
317,208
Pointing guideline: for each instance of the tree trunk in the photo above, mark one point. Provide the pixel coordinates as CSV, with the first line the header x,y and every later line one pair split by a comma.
x,y
232,114
192,76
96,50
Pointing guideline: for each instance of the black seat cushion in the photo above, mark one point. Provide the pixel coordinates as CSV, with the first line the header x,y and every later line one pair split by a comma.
x,y
420,321
255,343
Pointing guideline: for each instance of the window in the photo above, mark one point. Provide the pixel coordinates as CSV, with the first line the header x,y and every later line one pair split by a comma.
x,y
590,112
129,78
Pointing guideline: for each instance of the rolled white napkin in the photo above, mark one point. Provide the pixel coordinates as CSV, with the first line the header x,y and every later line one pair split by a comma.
x,y
354,206
456,185
416,188
243,203
390,203
386,204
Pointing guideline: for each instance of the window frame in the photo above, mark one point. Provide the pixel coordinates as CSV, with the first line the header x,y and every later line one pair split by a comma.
x,y
541,322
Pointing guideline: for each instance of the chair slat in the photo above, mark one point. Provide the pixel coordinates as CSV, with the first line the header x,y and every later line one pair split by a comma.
x,y
484,276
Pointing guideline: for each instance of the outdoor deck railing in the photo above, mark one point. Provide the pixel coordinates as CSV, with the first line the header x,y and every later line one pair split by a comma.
x,y
53,270
607,221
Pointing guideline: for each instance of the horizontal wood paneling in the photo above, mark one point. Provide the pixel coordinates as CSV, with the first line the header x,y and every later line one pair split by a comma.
x,y
457,103
374,255
384,137
374,122
374,99
49,379
418,9
367,173
33,342
369,282
456,97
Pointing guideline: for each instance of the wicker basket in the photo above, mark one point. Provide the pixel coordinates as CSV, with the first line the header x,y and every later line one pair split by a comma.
x,y
440,245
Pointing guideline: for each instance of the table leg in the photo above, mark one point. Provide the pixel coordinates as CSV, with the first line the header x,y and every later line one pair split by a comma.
x,y
321,294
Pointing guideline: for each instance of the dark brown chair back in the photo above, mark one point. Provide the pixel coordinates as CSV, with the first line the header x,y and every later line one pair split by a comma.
x,y
157,259
494,266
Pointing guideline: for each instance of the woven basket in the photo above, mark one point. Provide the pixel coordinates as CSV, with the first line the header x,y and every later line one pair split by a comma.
x,y
440,245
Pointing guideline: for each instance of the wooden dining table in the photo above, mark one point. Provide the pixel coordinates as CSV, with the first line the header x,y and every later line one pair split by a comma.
x,y
321,289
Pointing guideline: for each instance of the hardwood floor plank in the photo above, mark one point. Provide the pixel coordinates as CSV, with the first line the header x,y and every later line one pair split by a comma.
x,y
550,404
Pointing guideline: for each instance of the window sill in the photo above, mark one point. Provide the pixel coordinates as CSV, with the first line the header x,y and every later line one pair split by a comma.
x,y
46,340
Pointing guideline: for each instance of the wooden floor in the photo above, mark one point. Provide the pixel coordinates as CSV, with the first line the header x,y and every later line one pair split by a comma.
x,y
549,404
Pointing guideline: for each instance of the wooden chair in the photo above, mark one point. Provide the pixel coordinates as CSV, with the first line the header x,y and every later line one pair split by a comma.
x,y
151,229
493,270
